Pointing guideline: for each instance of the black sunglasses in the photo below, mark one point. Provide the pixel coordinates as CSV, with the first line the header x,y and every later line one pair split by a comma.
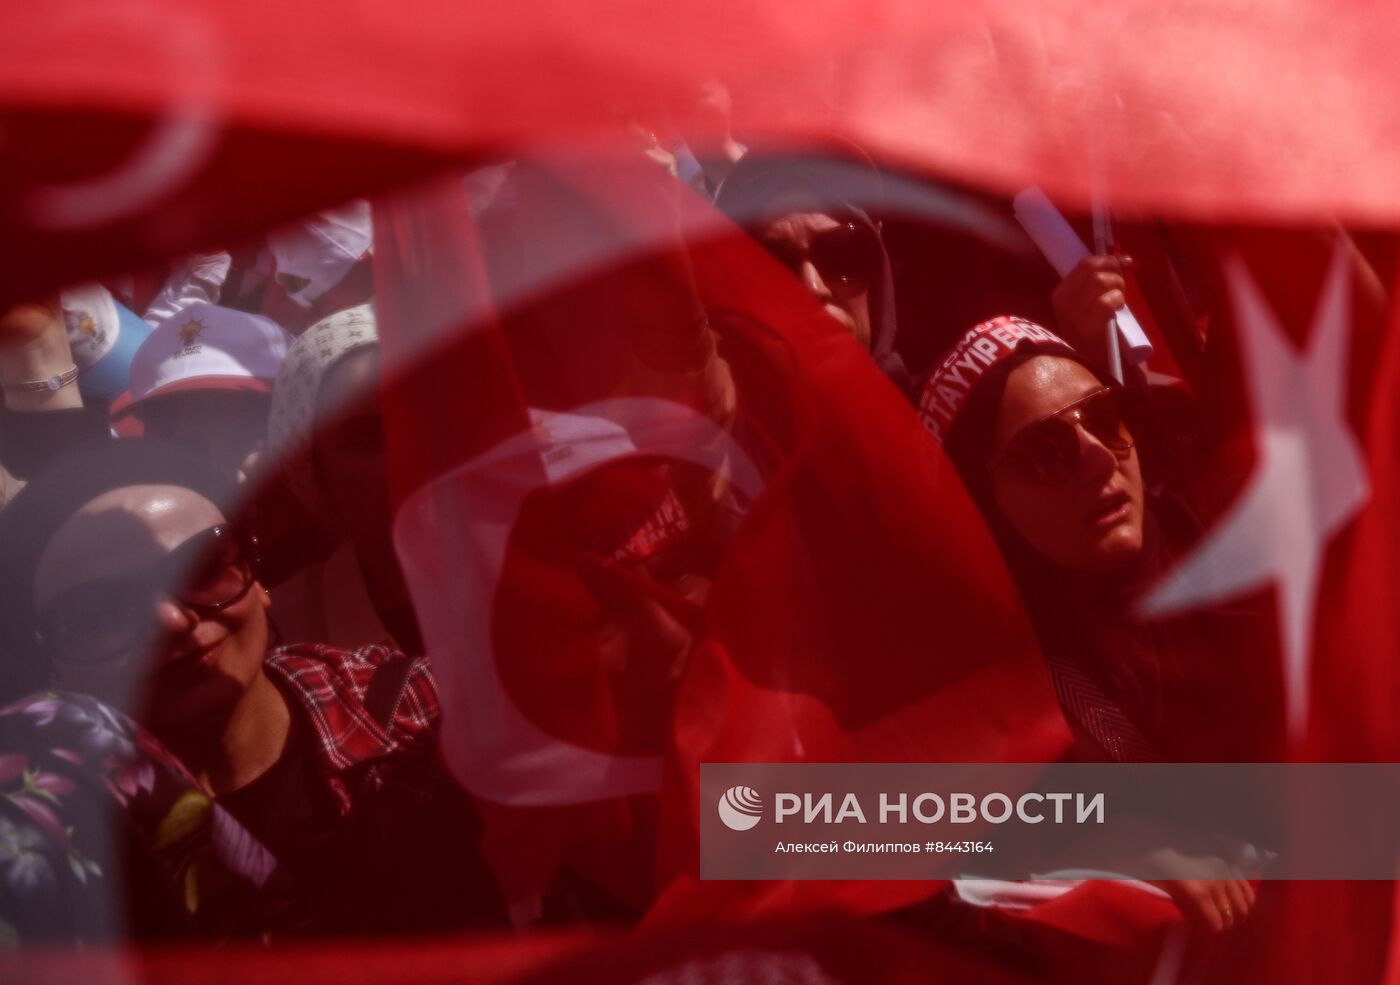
x,y
848,255
102,620
1047,451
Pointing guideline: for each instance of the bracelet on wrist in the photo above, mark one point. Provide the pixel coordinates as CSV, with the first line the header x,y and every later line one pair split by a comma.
x,y
53,383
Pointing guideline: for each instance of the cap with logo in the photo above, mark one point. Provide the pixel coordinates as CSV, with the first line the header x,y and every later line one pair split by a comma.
x,y
206,347
104,336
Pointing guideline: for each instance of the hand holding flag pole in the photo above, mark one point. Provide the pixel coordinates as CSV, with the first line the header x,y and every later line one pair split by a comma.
x,y
1066,252
1103,243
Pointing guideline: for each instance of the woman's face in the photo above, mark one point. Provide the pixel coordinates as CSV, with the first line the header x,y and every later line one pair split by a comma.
x,y
113,584
1064,471
836,260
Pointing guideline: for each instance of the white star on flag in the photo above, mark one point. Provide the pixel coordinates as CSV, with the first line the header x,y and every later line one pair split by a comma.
x,y
1310,478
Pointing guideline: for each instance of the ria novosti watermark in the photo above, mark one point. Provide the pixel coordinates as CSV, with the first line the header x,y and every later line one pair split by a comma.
x,y
901,821
741,808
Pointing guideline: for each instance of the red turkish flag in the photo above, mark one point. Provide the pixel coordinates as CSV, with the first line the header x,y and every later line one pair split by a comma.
x,y
1296,487
537,513
151,127
155,126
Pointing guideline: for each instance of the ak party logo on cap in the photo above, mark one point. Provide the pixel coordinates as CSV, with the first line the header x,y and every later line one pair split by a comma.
x,y
190,331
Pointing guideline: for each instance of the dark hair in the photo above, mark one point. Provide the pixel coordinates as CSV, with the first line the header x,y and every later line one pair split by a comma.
x,y
29,522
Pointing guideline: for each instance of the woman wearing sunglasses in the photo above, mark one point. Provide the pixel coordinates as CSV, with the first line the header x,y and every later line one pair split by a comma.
x,y
802,209
128,580
1043,444
1048,453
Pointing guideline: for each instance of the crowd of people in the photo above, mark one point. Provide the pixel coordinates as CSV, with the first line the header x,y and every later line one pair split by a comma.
x,y
207,633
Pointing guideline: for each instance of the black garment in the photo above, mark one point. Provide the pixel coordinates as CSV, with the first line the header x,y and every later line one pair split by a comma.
x,y
402,856
286,810
1185,688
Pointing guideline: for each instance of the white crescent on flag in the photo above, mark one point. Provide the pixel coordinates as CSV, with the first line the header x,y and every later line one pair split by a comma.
x,y
183,136
451,537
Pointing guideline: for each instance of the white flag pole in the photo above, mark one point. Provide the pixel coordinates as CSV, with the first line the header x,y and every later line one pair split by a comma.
x,y
1103,243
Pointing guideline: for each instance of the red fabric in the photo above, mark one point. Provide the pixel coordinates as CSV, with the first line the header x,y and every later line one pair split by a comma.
x,y
332,99
1354,648
891,635
1184,109
451,392
383,962
1099,931
821,951
1052,77
1357,671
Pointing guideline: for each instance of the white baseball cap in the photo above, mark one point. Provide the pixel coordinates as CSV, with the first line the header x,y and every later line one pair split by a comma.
x,y
207,347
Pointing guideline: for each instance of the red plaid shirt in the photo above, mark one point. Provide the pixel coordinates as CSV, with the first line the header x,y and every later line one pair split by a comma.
x,y
332,684
410,860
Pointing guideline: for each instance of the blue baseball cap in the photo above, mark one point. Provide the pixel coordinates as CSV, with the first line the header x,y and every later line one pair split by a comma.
x,y
104,336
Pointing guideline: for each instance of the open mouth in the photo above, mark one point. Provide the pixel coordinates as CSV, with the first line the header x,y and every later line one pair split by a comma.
x,y
1111,510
